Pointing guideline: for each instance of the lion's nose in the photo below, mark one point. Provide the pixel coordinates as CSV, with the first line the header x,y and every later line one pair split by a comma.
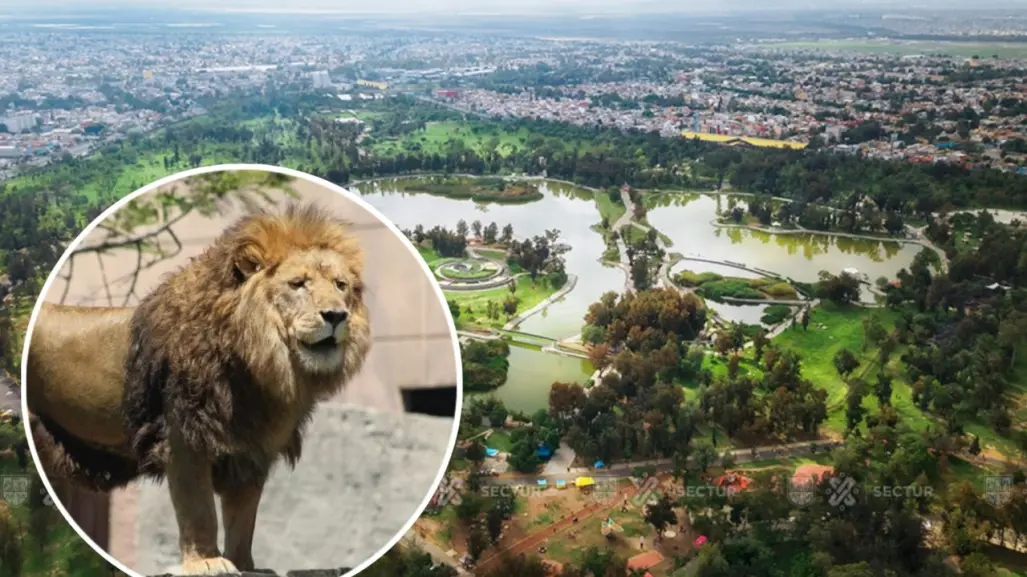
x,y
335,318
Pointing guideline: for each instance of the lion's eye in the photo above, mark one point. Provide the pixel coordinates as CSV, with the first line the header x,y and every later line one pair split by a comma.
x,y
298,283
340,284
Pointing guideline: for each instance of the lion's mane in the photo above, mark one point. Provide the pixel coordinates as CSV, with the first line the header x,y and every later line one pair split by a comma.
x,y
204,364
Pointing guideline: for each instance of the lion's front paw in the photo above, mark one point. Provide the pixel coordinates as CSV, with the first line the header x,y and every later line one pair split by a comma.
x,y
209,566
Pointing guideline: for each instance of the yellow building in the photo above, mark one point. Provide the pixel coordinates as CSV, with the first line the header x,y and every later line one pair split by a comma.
x,y
729,140
373,84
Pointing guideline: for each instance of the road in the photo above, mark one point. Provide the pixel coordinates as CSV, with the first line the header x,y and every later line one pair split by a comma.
x,y
626,470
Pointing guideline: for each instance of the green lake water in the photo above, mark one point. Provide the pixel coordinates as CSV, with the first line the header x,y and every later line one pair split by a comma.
x,y
685,219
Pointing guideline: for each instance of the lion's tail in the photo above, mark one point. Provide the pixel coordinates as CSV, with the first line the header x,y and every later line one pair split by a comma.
x,y
66,456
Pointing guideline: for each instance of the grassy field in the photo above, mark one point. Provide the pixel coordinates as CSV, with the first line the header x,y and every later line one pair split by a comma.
x,y
961,49
436,136
818,346
608,209
129,167
474,304
844,329
716,287
500,441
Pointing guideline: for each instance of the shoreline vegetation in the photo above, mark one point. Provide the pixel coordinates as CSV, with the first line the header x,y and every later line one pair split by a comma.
x,y
715,287
480,189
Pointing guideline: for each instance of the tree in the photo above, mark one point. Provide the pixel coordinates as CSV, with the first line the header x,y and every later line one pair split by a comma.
x,y
874,332
408,562
494,523
498,415
883,389
477,541
660,514
854,410
705,455
759,340
805,318
598,355
845,362
861,569
842,289
566,399
975,446
475,452
461,228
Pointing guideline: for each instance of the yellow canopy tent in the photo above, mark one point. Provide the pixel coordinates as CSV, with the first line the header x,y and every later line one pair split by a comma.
x,y
582,482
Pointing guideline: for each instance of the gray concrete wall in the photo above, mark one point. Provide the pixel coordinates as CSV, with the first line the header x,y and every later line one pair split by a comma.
x,y
367,466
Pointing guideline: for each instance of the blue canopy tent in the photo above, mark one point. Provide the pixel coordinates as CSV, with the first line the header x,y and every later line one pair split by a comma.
x,y
491,452
543,452
599,465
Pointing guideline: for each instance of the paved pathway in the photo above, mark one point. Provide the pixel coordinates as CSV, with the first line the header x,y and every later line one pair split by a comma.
x,y
626,470
572,281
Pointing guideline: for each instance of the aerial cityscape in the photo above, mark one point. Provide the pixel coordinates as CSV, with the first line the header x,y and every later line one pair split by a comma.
x,y
740,293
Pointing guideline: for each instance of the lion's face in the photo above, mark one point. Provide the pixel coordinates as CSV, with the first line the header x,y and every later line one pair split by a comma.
x,y
313,293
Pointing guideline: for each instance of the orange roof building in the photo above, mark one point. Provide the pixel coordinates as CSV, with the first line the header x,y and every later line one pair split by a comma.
x,y
644,561
811,473
733,482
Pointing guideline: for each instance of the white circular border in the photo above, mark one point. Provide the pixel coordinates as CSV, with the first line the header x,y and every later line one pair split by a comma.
x,y
349,195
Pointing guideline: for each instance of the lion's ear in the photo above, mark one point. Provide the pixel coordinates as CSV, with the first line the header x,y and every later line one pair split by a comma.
x,y
248,261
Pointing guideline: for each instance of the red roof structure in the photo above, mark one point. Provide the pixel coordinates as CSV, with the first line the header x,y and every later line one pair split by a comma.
x,y
645,561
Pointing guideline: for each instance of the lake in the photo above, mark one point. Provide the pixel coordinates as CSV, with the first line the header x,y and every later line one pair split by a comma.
x,y
570,210
684,218
687,220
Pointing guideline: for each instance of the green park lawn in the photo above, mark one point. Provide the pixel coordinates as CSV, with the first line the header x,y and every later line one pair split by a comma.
x,y
473,304
436,136
608,209
844,329
500,441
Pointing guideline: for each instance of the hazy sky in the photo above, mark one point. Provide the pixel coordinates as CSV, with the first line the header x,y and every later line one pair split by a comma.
x,y
504,6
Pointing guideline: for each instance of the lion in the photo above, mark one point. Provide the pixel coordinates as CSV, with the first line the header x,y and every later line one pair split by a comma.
x,y
211,380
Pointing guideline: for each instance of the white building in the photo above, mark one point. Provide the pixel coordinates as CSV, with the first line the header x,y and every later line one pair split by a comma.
x,y
16,124
321,79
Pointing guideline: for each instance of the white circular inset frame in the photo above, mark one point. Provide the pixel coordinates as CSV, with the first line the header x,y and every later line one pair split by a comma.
x,y
284,505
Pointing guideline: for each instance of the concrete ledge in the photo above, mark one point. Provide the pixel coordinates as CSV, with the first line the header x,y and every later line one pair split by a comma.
x,y
362,477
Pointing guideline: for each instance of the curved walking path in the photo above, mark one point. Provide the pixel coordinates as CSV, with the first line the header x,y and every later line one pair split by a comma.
x,y
572,281
732,264
741,301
